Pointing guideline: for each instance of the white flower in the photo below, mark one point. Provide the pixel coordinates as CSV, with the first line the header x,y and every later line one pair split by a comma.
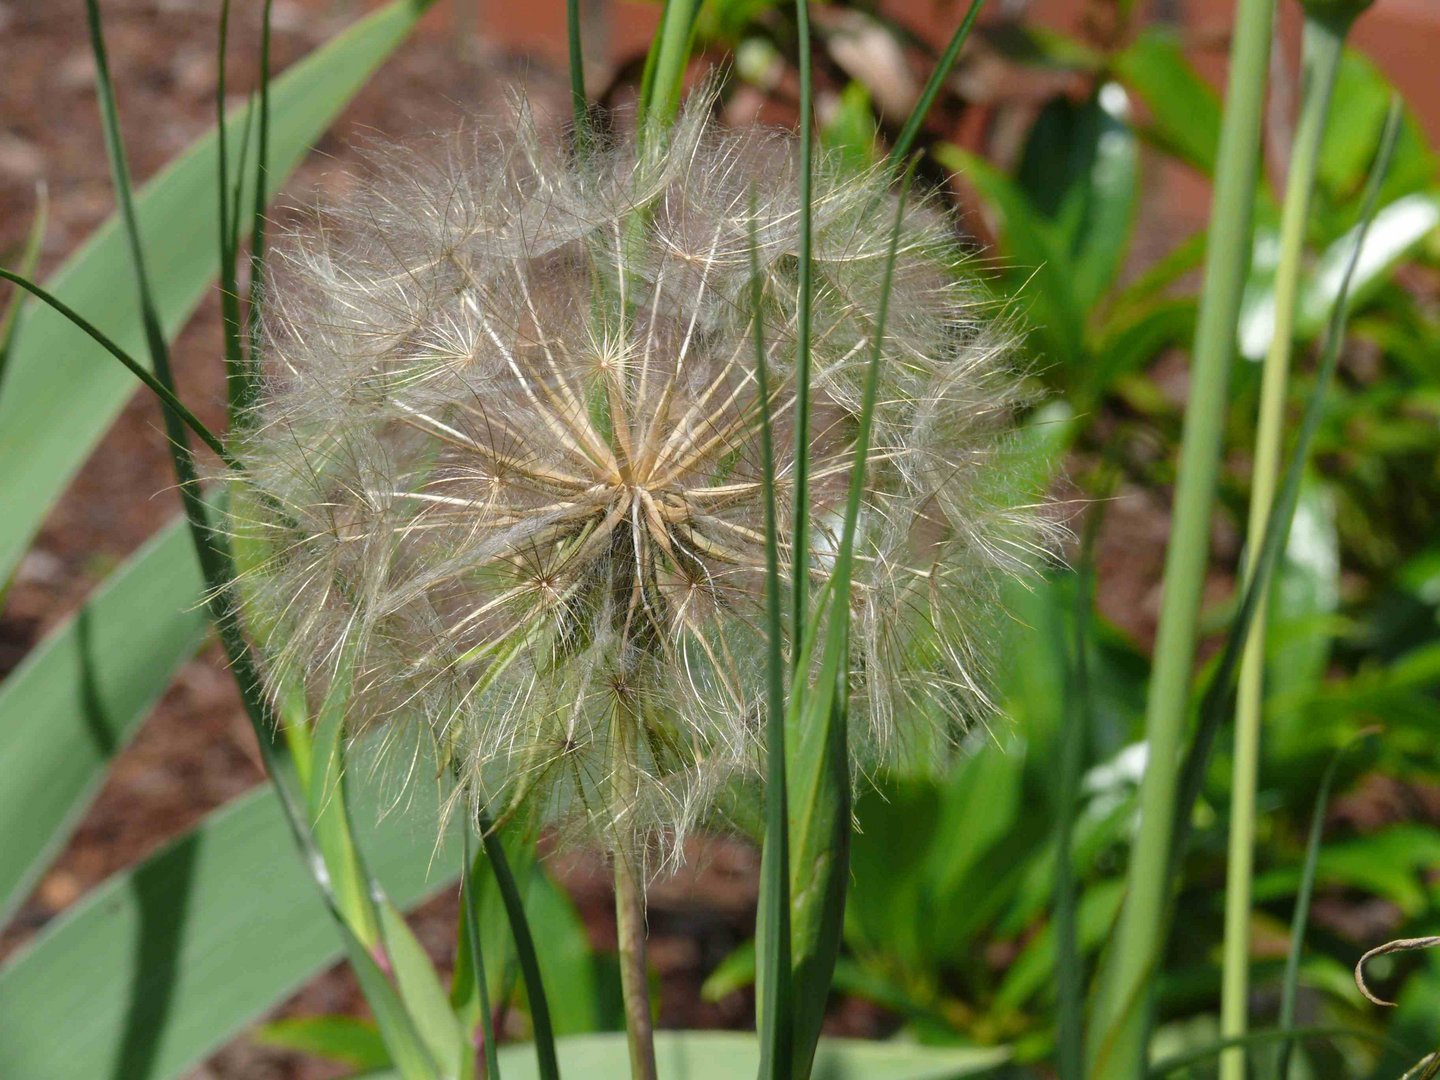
x,y
508,459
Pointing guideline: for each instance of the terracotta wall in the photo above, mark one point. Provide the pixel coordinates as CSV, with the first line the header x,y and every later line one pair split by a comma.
x,y
1403,36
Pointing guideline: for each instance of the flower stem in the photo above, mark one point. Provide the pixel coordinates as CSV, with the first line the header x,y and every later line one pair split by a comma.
x,y
1324,42
1120,1019
634,980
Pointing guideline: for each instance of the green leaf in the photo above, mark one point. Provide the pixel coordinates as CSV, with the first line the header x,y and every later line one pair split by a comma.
x,y
424,999
939,72
61,393
344,1039
167,960
525,952
1033,971
1127,347
1080,172
1184,110
29,259
725,1055
80,696
574,984
1306,595
1396,233
1357,116
850,131
1038,263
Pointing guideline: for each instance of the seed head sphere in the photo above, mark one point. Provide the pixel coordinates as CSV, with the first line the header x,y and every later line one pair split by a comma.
x,y
506,464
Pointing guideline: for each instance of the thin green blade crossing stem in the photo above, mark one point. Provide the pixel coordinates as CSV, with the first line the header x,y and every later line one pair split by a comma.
x,y
59,395
1217,701
159,389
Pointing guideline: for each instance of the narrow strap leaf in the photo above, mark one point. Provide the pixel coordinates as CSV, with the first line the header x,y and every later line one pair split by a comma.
x,y
477,961
166,396
543,1029
800,539
29,259
777,1021
938,74
1291,982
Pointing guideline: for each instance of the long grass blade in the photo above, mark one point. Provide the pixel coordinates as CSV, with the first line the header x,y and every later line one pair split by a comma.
x,y
777,1022
1289,987
229,229
1069,967
124,197
29,260
800,527
257,213
164,393
938,74
543,1030
468,908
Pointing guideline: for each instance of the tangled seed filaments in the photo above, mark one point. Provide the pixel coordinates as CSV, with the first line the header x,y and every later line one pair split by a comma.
x,y
507,464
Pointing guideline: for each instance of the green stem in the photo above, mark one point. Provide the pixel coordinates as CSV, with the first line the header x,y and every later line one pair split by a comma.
x,y
542,1029
173,407
29,260
229,279
1116,1047
775,1021
664,74
938,74
257,217
476,957
1324,43
634,980
800,540
579,102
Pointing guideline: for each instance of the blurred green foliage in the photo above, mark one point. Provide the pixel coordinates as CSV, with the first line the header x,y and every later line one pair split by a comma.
x,y
969,855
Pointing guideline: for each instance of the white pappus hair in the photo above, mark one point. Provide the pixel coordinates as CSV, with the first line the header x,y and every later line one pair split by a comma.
x,y
506,461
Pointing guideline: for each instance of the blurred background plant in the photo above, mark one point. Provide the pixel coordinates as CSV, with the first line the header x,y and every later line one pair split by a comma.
x,y
1079,161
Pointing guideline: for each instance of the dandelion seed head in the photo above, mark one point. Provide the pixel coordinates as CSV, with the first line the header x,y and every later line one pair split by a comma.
x,y
507,463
